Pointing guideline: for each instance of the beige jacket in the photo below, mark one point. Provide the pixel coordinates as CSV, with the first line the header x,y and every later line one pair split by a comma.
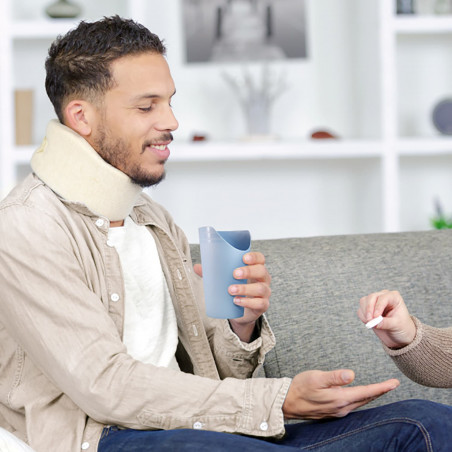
x,y
64,371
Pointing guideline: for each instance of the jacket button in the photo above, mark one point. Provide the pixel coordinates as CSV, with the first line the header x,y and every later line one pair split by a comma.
x,y
114,297
263,426
99,223
197,425
85,446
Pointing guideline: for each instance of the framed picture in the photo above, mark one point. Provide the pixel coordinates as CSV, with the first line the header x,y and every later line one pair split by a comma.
x,y
244,30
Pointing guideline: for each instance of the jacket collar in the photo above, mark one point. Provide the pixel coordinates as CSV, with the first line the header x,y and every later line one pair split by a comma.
x,y
67,163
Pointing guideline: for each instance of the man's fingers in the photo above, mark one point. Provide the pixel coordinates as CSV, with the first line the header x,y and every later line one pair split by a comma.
x,y
362,394
198,269
351,398
253,290
353,406
388,386
255,304
253,257
256,272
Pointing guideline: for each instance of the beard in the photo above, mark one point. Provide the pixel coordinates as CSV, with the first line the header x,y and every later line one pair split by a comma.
x,y
117,153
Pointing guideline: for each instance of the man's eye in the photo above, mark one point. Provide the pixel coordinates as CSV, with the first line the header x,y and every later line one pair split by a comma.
x,y
145,108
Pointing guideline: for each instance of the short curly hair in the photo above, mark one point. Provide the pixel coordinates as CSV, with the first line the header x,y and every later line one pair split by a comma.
x,y
78,63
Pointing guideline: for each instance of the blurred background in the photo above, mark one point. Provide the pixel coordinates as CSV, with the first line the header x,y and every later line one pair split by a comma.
x,y
297,117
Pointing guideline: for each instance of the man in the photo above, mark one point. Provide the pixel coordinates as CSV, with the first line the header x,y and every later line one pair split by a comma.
x,y
104,343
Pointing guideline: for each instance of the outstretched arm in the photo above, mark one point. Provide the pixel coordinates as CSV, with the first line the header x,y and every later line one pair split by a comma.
x,y
317,395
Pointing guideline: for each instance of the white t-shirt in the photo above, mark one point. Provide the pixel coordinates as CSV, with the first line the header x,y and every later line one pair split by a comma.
x,y
150,326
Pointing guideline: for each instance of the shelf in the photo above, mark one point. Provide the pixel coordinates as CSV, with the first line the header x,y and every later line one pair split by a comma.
x,y
308,149
275,150
255,150
425,146
41,29
423,24
279,150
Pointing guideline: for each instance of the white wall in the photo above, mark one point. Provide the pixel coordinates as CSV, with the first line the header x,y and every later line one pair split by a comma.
x,y
274,199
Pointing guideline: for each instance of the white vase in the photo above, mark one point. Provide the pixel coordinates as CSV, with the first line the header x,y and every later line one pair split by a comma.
x,y
257,114
63,9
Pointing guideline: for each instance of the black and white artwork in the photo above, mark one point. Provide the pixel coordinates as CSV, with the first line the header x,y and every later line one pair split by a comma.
x,y
244,30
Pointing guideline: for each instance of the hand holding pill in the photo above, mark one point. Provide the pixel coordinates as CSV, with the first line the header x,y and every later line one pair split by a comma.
x,y
398,328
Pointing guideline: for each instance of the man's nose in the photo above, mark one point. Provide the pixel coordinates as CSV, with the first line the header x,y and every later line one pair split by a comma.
x,y
168,121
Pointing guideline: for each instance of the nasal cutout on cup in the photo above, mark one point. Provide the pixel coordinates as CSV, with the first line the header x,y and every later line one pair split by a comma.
x,y
221,253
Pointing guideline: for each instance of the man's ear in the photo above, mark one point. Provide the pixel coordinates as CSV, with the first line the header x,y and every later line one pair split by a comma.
x,y
80,115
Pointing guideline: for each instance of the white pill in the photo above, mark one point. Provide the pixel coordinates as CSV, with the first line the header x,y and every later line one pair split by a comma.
x,y
374,322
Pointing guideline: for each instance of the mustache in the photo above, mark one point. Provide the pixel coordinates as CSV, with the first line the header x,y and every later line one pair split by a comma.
x,y
162,138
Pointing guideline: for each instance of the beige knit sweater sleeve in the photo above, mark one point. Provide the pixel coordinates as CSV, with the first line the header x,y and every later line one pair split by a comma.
x,y
428,359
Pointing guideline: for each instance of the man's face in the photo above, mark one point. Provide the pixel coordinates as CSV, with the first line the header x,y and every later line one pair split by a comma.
x,y
135,120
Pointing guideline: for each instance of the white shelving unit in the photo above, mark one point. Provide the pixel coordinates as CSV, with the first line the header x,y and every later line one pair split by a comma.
x,y
425,24
391,146
394,29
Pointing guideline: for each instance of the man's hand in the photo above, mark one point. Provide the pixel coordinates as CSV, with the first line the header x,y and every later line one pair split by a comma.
x,y
317,395
253,296
397,328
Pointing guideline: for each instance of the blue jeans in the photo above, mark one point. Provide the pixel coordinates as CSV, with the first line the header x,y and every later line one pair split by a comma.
x,y
411,426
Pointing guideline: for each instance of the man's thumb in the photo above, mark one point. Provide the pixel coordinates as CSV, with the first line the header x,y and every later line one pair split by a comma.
x,y
341,377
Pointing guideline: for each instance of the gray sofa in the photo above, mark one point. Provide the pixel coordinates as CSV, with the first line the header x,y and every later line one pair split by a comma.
x,y
316,286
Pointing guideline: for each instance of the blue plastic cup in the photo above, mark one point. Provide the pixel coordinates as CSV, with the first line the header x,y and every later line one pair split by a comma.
x,y
221,253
